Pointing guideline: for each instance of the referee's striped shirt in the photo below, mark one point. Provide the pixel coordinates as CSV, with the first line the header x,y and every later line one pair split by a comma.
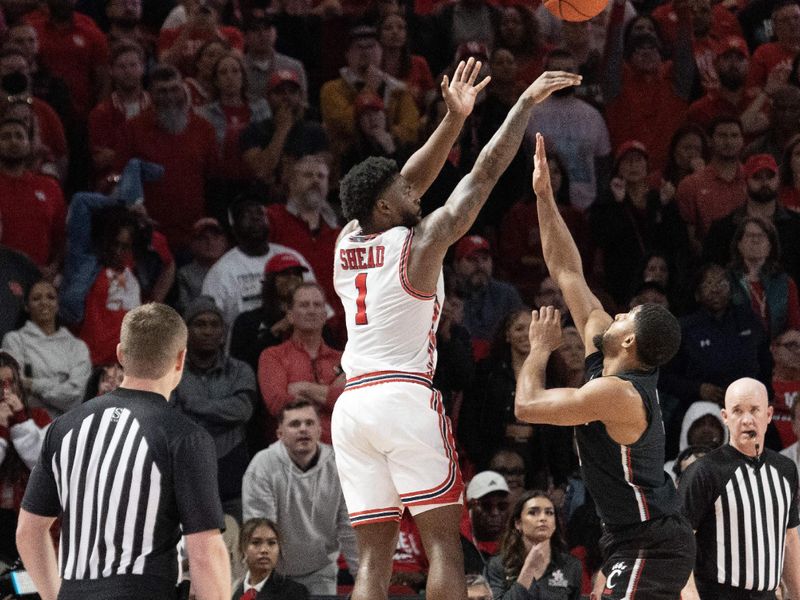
x,y
126,472
741,508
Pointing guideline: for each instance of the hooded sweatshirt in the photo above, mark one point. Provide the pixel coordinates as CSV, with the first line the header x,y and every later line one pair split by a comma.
x,y
308,507
696,411
59,364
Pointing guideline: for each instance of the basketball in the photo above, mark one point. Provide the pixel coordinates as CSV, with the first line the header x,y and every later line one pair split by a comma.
x,y
575,10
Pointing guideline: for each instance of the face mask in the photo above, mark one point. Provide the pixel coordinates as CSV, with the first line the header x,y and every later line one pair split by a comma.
x,y
15,83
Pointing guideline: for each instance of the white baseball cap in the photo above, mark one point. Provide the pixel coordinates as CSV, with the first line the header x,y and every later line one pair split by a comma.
x,y
484,483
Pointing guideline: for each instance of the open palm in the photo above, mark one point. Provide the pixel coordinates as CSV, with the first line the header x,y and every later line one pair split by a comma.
x,y
460,94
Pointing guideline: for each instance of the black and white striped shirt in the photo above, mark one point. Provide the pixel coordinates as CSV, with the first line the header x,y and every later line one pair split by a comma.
x,y
126,472
741,508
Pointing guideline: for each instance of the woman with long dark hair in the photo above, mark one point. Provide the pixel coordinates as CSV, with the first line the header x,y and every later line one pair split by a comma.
x,y
533,561
759,281
55,363
397,61
22,432
260,549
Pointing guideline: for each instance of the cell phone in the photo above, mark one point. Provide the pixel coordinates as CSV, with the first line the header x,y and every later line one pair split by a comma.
x,y
22,583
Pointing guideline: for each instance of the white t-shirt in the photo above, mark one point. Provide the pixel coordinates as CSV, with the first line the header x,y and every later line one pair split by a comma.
x,y
235,280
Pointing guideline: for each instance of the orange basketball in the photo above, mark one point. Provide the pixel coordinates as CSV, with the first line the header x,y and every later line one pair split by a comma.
x,y
575,10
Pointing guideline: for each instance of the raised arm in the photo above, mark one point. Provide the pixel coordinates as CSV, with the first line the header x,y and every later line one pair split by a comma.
x,y
439,230
562,257
459,95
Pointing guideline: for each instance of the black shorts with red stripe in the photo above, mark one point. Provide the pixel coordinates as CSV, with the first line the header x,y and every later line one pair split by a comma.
x,y
647,561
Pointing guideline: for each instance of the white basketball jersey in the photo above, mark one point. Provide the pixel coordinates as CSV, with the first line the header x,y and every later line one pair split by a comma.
x,y
390,326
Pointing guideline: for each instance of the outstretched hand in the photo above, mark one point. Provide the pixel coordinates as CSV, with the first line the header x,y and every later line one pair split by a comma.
x,y
549,82
460,94
545,330
541,171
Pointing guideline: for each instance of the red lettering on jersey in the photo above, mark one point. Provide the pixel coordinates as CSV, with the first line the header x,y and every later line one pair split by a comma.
x,y
343,258
360,252
379,252
351,258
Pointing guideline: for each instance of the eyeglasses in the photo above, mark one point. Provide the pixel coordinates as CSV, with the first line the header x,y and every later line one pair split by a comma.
x,y
720,284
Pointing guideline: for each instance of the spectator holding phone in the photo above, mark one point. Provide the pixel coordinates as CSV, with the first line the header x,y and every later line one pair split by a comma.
x,y
22,432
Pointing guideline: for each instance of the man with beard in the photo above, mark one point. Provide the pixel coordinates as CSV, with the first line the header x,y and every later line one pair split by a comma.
x,y
73,48
307,222
578,133
761,176
34,213
108,119
648,547
184,144
730,96
235,279
394,445
486,300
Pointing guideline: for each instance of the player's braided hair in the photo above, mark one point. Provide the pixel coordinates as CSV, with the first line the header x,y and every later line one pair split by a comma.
x,y
360,188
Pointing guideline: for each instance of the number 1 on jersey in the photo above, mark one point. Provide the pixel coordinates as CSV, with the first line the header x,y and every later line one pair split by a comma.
x,y
361,301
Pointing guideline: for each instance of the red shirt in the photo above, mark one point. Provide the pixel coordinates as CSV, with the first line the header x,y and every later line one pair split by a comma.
x,y
232,165
110,298
34,215
168,37
712,105
409,556
176,201
278,366
704,197
107,124
51,130
723,22
72,52
317,247
786,393
765,58
789,197
647,109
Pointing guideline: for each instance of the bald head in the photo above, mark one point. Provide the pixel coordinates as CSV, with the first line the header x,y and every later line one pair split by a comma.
x,y
747,414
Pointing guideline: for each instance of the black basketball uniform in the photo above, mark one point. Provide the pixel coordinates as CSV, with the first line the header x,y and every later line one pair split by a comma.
x,y
741,507
128,474
648,546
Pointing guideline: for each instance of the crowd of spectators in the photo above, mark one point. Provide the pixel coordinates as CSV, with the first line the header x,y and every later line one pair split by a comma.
x,y
189,152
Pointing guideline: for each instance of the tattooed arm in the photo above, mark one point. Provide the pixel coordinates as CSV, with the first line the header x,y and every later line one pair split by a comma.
x,y
439,230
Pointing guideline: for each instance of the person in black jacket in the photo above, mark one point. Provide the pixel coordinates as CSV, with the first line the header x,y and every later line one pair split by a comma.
x,y
533,561
260,546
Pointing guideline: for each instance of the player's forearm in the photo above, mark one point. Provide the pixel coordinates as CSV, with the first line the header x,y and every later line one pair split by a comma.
x,y
530,385
424,165
38,555
501,149
558,248
791,563
210,571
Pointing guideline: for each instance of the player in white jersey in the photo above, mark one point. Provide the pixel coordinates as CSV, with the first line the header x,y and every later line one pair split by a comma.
x,y
394,447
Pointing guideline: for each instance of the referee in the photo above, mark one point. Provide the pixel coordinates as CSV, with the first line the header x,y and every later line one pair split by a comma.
x,y
128,475
742,501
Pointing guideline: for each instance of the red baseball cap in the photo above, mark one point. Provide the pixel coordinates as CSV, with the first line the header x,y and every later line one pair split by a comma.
x,y
733,43
759,162
471,245
630,146
283,261
283,76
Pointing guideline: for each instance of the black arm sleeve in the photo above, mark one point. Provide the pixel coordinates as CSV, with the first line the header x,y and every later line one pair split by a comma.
x,y
194,468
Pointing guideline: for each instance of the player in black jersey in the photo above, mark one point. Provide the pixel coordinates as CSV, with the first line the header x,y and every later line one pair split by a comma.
x,y
648,546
